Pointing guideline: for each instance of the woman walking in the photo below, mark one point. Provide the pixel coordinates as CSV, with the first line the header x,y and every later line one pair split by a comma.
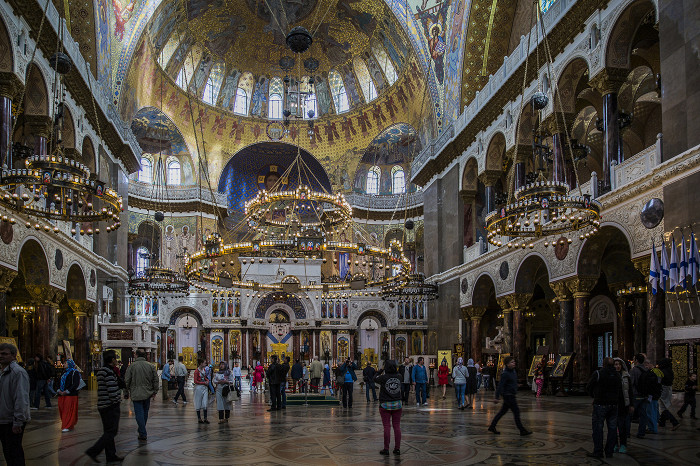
x,y
259,377
223,378
68,396
623,407
390,405
471,383
201,391
539,377
443,376
459,375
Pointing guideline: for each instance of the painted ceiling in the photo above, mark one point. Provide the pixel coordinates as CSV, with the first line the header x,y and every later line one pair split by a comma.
x,y
156,132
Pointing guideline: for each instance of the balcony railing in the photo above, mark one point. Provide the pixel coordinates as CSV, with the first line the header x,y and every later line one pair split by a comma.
x,y
177,193
385,202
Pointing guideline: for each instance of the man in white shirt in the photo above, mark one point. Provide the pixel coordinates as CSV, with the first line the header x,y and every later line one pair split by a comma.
x,y
179,371
237,376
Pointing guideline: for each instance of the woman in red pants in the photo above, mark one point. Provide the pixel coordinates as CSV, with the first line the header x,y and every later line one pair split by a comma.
x,y
390,405
68,396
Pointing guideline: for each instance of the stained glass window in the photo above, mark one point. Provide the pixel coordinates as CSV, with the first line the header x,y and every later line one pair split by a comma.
x,y
211,90
373,180
340,97
146,172
384,62
365,80
174,172
309,99
167,53
398,180
274,102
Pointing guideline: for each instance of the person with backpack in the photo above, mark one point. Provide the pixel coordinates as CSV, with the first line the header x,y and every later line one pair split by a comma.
x,y
605,387
275,376
368,375
642,383
665,400
390,407
349,377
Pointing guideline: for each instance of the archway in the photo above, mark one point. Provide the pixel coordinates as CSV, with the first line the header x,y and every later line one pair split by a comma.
x,y
484,330
373,338
34,317
187,338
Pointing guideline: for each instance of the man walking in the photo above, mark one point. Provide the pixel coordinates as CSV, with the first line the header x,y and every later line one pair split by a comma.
x,y
108,404
14,405
405,372
44,372
605,386
142,383
508,387
179,371
639,391
368,375
236,372
316,372
274,377
420,380
165,379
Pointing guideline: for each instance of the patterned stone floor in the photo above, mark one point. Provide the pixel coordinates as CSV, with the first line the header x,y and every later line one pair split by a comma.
x,y
323,435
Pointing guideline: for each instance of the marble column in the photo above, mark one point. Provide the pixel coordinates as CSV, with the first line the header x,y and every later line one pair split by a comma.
x,y
6,278
10,86
655,307
566,317
335,345
624,328
580,288
392,342
81,312
227,351
490,178
263,344
476,314
53,323
558,166
469,199
518,304
608,82
163,344
42,297
39,126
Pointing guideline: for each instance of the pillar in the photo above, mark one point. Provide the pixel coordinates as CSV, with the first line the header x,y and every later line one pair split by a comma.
x,y
53,323
392,342
655,306
163,344
489,178
507,346
476,314
335,345
81,311
625,328
6,278
39,126
566,317
469,199
263,345
295,345
207,354
580,288
24,335
608,82
518,304
42,299
10,86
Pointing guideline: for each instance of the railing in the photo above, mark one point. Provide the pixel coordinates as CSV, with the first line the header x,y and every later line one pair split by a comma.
x,y
385,202
510,64
176,193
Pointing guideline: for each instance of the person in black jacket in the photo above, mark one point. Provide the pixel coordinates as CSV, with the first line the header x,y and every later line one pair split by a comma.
x,y
508,387
368,375
665,399
108,405
605,386
406,373
348,371
283,385
390,407
297,375
274,378
691,387
44,371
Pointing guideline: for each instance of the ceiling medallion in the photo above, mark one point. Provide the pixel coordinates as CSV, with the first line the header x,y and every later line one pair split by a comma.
x,y
299,39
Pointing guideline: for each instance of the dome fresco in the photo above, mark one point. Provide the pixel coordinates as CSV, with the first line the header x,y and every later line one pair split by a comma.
x,y
226,43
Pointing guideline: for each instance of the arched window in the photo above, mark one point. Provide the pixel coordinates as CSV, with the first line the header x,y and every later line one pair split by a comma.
x,y
340,97
310,104
274,101
146,172
181,80
384,62
365,80
174,176
167,53
189,66
373,180
398,180
213,86
142,259
241,105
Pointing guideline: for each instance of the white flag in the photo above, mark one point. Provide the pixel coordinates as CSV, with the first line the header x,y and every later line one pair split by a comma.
x,y
654,271
683,266
664,265
673,268
694,262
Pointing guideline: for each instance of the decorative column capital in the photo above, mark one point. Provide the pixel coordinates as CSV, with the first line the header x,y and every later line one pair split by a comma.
x,y
504,303
643,265
10,85
468,195
42,295
38,125
467,312
558,123
518,301
561,290
490,177
581,286
477,312
6,278
81,307
609,80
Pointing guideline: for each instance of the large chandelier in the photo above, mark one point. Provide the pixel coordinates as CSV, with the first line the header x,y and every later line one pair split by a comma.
x,y
411,287
546,206
155,280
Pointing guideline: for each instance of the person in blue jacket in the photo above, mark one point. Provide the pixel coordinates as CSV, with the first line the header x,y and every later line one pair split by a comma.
x,y
348,370
420,381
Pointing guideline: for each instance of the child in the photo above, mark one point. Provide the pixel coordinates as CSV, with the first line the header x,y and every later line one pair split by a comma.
x,y
691,386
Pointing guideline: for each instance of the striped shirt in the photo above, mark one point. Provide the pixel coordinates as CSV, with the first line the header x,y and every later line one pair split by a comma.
x,y
108,391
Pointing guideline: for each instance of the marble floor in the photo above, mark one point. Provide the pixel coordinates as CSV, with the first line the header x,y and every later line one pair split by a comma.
x,y
329,435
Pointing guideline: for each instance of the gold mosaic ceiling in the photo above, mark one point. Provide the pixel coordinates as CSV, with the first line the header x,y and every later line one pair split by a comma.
x,y
245,35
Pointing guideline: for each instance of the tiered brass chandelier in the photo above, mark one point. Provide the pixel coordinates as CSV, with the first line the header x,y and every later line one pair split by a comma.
x,y
546,206
55,186
412,287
